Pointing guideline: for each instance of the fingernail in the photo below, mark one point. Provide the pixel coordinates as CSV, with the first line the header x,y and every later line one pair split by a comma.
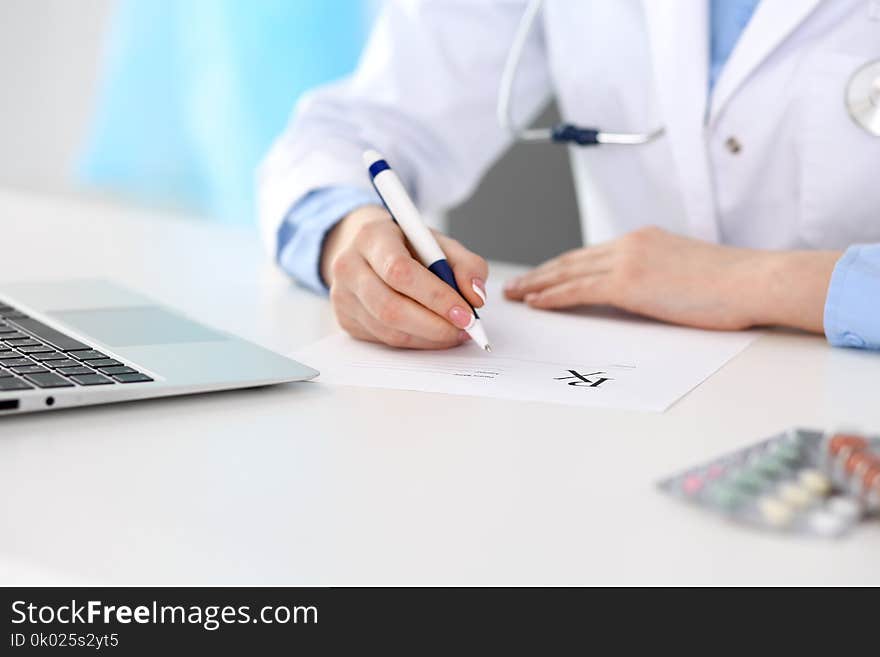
x,y
512,284
479,288
461,318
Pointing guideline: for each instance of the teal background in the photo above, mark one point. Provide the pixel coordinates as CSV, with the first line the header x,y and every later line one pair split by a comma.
x,y
193,93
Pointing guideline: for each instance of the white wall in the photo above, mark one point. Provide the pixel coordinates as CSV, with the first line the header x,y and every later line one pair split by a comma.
x,y
49,55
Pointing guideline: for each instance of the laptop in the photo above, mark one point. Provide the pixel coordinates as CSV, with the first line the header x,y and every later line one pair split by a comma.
x,y
76,343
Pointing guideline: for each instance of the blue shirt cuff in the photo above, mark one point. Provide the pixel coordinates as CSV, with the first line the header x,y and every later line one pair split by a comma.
x,y
852,309
301,236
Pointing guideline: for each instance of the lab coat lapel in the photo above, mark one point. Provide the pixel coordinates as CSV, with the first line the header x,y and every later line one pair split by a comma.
x,y
772,22
678,33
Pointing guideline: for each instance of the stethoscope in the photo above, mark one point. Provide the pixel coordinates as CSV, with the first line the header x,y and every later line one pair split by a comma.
x,y
862,101
863,97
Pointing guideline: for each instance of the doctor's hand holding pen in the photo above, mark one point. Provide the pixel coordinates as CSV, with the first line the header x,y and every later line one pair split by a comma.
x,y
382,294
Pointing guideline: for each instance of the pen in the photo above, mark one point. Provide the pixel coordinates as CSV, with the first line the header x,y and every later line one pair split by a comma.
x,y
404,212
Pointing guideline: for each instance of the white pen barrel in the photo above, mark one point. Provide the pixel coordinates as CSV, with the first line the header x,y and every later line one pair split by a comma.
x,y
419,236
408,218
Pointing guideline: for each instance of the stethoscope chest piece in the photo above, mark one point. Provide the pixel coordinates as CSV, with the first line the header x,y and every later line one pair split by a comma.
x,y
863,97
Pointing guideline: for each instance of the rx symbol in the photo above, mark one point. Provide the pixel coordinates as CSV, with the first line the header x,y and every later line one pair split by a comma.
x,y
583,379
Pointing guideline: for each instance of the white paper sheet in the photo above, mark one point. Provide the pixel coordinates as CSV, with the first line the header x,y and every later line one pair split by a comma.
x,y
590,358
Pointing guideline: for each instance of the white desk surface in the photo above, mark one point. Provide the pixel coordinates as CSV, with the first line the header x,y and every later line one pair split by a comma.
x,y
311,484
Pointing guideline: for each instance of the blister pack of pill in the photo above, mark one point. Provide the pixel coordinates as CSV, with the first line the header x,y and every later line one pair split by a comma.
x,y
800,481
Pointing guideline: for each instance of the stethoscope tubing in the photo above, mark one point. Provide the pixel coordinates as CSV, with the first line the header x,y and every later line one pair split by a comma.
x,y
564,133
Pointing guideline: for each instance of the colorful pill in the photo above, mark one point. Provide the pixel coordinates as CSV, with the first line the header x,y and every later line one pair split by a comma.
x,y
749,480
725,496
770,465
845,507
841,441
714,472
872,477
826,524
692,484
815,481
775,512
797,496
857,461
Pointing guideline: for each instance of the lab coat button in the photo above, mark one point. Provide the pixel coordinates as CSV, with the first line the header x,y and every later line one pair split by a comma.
x,y
733,145
853,340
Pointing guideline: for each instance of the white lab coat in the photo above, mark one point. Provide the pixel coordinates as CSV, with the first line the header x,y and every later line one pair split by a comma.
x,y
805,175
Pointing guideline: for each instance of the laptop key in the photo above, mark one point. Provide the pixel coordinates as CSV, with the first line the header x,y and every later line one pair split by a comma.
x,y
135,377
6,337
103,362
8,353
13,384
68,371
4,373
48,380
15,362
46,333
64,362
6,328
35,349
29,369
91,379
118,369
52,355
86,354
23,342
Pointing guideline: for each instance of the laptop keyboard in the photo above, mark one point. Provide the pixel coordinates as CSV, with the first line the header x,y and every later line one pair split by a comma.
x,y
33,355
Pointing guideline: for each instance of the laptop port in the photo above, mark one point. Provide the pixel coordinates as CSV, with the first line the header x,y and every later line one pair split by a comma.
x,y
8,404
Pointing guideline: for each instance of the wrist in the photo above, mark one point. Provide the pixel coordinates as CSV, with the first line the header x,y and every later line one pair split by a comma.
x,y
789,288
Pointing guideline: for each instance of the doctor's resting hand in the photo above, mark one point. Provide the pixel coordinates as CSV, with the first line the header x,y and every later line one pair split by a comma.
x,y
681,280
381,293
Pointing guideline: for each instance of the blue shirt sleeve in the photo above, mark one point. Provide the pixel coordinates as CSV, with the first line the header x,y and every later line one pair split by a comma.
x,y
301,236
852,309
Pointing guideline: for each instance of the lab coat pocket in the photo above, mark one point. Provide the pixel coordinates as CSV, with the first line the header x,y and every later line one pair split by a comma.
x,y
839,163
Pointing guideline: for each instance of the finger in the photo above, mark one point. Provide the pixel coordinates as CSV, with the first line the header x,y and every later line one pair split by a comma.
x,y
585,290
471,271
362,290
357,322
389,258
385,334
354,328
559,271
575,255
398,312
536,283
346,308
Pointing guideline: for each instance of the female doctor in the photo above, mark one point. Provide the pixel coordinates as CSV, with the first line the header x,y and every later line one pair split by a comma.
x,y
757,204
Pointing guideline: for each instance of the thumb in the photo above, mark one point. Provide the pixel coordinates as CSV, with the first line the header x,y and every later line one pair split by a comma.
x,y
471,271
